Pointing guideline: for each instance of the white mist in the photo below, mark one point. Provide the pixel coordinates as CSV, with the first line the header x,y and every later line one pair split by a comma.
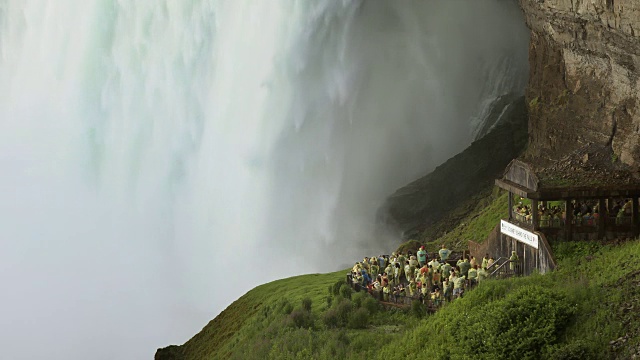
x,y
161,158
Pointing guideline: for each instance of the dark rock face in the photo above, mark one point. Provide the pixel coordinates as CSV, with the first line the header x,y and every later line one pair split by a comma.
x,y
172,352
421,203
584,84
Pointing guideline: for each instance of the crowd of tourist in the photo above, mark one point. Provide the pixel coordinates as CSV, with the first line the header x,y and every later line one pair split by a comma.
x,y
433,280
585,213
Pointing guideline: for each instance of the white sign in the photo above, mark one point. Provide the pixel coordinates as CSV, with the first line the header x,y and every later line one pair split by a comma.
x,y
519,233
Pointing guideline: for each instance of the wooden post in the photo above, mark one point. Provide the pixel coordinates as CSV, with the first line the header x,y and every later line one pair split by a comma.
x,y
536,215
634,220
510,206
568,226
602,218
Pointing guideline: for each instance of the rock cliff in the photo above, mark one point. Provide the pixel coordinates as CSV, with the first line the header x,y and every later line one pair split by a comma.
x,y
413,208
584,84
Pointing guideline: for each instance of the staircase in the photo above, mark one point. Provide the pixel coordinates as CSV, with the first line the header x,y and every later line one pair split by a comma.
x,y
500,269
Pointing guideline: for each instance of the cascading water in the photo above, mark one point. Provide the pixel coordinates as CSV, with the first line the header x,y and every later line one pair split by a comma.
x,y
160,158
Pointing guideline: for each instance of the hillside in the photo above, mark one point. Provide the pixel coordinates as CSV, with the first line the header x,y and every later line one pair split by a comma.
x,y
585,309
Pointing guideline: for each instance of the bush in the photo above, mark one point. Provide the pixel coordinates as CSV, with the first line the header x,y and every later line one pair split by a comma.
x,y
335,288
575,351
345,291
329,300
301,319
358,298
359,319
371,305
518,326
343,310
306,303
331,319
418,309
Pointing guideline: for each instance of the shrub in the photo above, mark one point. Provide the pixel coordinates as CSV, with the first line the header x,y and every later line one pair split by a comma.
x,y
343,310
418,309
331,319
574,351
335,288
358,298
329,300
359,319
301,318
345,291
306,303
371,305
517,326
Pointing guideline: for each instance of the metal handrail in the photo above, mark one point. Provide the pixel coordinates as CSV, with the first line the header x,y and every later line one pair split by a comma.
x,y
496,262
499,267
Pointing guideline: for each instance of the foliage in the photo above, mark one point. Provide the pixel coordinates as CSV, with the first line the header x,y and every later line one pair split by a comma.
x,y
301,318
480,223
571,313
345,291
534,103
418,309
285,307
335,288
577,350
306,304
359,319
614,158
343,310
371,305
411,245
563,250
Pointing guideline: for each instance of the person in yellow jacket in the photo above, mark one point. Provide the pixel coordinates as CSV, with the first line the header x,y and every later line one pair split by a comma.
x,y
464,267
513,261
473,276
425,292
412,288
485,261
385,293
375,270
407,270
482,275
473,261
436,297
422,256
458,287
444,253
447,288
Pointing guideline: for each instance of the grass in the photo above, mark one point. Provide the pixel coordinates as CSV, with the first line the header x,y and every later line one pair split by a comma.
x,y
580,308
220,338
477,224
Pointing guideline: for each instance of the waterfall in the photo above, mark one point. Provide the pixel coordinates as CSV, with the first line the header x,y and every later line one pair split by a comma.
x,y
160,158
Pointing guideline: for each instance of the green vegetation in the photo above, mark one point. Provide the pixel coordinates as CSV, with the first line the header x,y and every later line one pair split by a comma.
x,y
533,104
474,225
572,313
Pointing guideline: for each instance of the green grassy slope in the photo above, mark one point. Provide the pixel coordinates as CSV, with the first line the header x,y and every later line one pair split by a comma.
x,y
572,313
472,220
220,338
